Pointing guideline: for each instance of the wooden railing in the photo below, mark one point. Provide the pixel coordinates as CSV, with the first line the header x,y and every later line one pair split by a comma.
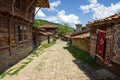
x,y
22,14
19,13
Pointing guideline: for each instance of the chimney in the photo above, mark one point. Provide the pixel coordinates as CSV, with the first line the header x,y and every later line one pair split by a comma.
x,y
78,27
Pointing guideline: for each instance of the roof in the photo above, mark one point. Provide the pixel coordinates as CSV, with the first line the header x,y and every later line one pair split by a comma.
x,y
85,35
110,19
45,33
38,29
85,30
42,28
67,35
49,26
49,33
42,3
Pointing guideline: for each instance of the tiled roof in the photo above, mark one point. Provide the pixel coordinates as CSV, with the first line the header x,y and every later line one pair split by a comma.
x,y
49,26
38,29
67,35
85,35
104,21
45,33
85,30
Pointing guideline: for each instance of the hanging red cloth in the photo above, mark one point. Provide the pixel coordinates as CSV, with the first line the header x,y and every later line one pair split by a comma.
x,y
100,48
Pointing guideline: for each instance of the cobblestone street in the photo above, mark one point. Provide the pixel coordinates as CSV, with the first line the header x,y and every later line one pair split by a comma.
x,y
56,63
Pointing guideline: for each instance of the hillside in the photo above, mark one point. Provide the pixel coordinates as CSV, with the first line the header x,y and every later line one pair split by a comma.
x,y
62,28
43,22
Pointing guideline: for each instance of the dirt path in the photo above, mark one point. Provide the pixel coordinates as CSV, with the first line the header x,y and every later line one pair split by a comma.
x,y
55,63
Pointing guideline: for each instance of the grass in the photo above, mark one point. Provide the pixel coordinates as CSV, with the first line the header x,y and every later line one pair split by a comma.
x,y
48,45
34,53
82,56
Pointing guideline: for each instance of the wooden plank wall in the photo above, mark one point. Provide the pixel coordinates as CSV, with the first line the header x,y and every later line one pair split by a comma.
x,y
4,37
12,50
5,6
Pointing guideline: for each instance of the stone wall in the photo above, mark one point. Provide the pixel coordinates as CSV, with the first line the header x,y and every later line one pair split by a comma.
x,y
83,44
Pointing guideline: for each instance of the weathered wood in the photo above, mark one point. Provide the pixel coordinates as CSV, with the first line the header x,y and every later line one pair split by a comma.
x,y
5,6
10,19
13,6
30,5
4,47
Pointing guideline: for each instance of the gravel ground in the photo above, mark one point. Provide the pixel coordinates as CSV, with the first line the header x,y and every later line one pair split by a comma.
x,y
56,63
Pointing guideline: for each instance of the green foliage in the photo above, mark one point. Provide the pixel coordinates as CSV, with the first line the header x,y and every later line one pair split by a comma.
x,y
63,29
48,45
42,22
36,23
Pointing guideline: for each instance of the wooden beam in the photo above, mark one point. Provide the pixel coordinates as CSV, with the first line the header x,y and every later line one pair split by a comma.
x,y
13,6
9,28
37,11
30,5
32,12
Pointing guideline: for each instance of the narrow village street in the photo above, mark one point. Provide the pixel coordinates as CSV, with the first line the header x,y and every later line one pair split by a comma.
x,y
56,63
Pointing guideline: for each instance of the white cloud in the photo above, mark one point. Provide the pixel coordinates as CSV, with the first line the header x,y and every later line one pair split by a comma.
x,y
70,18
99,10
93,1
53,6
40,13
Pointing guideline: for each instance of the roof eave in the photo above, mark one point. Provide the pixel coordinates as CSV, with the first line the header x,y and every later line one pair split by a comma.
x,y
42,3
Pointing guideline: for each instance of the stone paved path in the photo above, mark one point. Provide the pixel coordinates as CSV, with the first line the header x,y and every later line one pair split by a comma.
x,y
56,63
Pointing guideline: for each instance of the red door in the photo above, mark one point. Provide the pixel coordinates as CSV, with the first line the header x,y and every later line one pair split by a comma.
x,y
100,48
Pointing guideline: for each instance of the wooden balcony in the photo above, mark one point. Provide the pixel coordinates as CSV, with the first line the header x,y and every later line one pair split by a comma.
x,y
22,14
19,13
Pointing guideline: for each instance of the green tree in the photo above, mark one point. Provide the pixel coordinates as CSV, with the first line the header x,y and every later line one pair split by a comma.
x,y
63,29
36,23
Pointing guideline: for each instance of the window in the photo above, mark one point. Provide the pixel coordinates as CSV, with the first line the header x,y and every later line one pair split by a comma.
x,y
19,33
17,4
20,4
23,5
25,32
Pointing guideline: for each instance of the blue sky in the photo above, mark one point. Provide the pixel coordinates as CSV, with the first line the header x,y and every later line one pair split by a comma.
x,y
78,11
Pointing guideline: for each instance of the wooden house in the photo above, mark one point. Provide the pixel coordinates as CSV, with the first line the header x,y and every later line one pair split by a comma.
x,y
44,34
81,38
105,42
41,36
52,29
16,20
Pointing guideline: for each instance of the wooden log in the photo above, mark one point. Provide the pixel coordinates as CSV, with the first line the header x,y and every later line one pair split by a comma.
x,y
4,47
3,30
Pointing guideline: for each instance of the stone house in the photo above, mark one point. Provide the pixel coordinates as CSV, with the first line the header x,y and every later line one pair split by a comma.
x,y
81,38
105,42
